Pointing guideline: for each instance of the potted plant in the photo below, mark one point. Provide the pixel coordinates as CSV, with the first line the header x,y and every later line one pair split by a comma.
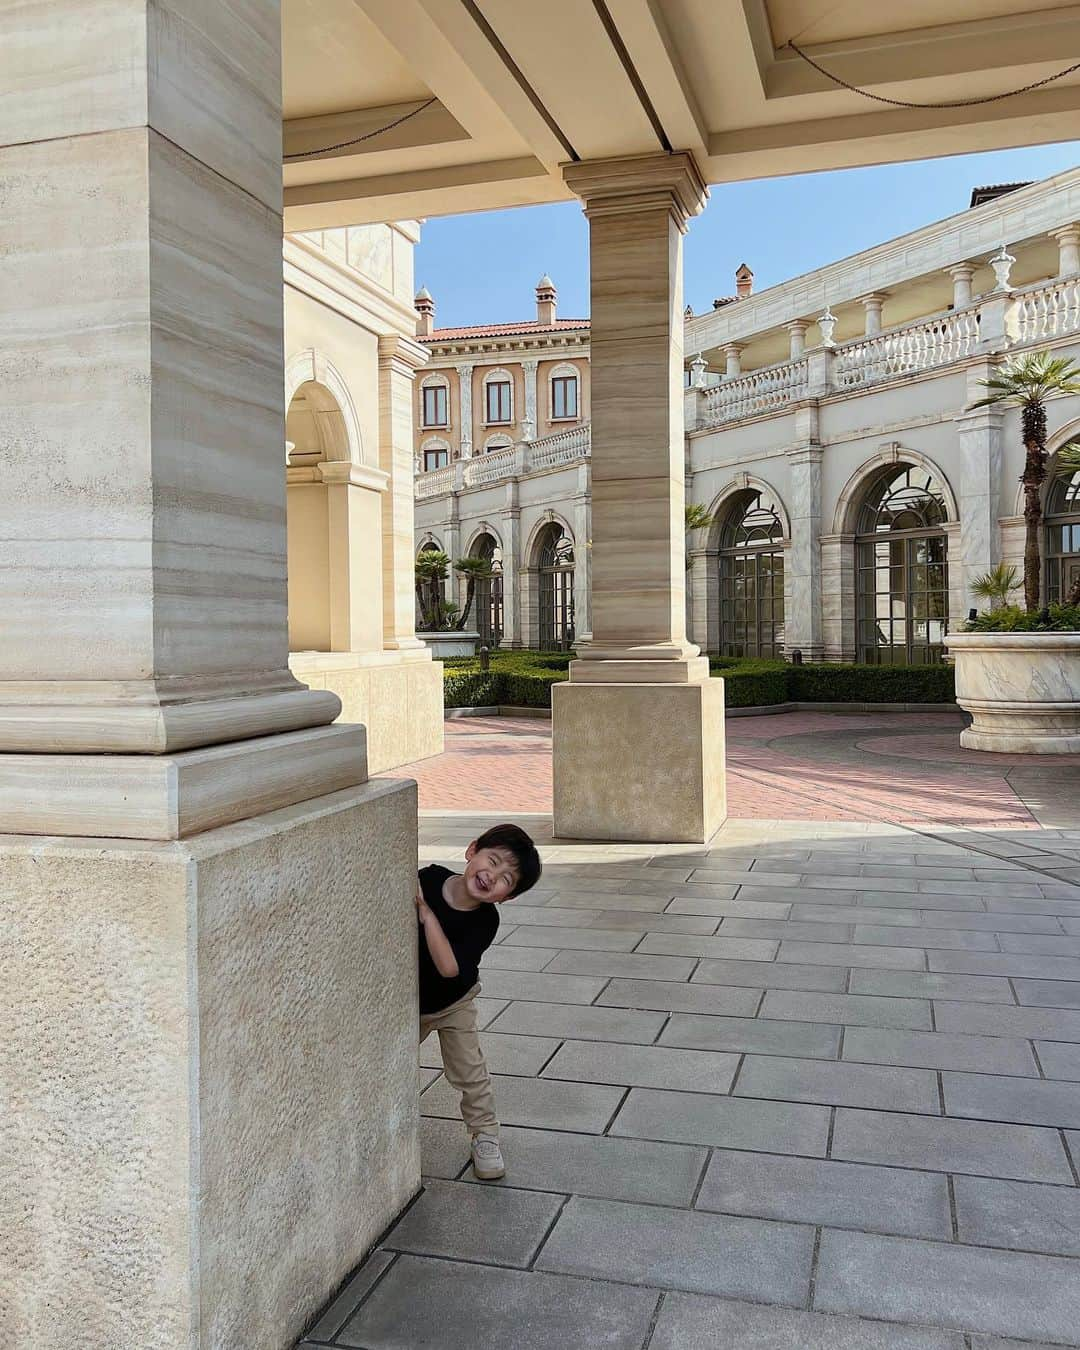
x,y
1018,667
442,622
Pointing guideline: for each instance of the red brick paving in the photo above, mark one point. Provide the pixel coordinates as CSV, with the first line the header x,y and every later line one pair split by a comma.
x,y
790,766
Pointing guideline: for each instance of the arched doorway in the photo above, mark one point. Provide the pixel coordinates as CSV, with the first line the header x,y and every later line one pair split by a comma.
x,y
489,592
555,549
752,577
1062,534
900,559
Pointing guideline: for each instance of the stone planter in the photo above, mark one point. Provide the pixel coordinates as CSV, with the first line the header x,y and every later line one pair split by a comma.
x,y
451,643
1022,690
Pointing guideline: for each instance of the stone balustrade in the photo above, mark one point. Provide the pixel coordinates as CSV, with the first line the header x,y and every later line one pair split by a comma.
x,y
513,461
933,342
757,392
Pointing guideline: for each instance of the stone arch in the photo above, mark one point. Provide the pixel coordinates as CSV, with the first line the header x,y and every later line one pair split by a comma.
x,y
1069,432
725,498
483,528
532,548
851,498
428,541
505,442
328,393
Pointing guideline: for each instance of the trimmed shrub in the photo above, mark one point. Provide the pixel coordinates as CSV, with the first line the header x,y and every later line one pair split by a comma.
x,y
871,684
1013,619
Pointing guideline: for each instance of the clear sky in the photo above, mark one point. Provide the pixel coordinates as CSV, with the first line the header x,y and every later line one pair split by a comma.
x,y
483,268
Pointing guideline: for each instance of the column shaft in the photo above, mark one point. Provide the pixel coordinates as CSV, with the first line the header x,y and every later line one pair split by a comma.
x,y
802,563
399,360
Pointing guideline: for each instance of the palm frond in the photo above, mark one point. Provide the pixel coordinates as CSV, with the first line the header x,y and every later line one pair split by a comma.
x,y
698,517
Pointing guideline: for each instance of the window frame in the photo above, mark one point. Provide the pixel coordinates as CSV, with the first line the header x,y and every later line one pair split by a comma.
x,y
560,382
435,387
499,380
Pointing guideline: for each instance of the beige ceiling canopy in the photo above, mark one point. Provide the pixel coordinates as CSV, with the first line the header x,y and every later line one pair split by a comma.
x,y
399,108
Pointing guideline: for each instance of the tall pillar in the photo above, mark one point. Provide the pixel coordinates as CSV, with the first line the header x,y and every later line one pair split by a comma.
x,y
513,635
399,360
803,590
204,905
980,437
872,306
732,360
638,728
582,552
962,276
796,331
1068,242
528,422
465,382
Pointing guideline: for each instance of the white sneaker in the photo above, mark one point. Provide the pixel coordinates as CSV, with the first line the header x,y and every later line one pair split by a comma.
x,y
487,1158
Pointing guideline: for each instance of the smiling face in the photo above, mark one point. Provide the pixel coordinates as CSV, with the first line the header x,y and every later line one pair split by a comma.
x,y
490,874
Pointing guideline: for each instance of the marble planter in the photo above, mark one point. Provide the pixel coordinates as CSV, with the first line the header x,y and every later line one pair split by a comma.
x,y
451,643
1022,690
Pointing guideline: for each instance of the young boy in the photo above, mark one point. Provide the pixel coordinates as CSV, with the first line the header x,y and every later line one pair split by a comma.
x,y
458,923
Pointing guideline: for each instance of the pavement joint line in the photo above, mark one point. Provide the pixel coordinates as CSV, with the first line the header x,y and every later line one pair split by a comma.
x,y
1038,1062
550,1229
811,1287
953,1220
933,1012
611,1119
940,1093
706,1162
1012,990
1069,1155
653,1321
829,1137
735,1076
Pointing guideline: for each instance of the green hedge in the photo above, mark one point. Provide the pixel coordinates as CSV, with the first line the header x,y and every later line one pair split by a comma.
x,y
523,679
1059,618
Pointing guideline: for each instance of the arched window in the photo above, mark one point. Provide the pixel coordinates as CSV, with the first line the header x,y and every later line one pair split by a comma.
x,y
903,599
556,560
1062,534
752,578
565,404
435,454
489,592
497,443
435,401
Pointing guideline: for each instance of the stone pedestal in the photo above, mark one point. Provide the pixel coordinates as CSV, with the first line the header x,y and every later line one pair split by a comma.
x,y
1022,690
639,682
207,1073
639,761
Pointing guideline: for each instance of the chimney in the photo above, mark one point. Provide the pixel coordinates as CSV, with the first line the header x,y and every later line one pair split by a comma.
x,y
744,282
425,312
545,302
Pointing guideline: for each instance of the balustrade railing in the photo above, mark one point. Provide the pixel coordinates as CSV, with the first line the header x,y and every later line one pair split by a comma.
x,y
550,452
490,467
563,447
757,392
904,351
434,482
1048,311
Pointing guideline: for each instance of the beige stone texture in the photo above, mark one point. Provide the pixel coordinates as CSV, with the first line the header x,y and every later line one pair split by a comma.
x,y
641,762
207,1074
398,696
1022,690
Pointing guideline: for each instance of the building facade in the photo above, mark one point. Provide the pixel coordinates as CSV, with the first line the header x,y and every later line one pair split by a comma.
x,y
854,490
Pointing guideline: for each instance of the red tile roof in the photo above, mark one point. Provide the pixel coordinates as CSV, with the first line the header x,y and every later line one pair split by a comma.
x,y
524,327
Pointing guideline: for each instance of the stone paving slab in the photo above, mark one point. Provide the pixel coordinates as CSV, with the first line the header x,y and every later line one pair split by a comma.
x,y
971,1288
986,1097
455,1306
505,957
735,909
998,1020
499,1226
839,1084
930,985
697,1032
1019,1215
1040,944
1048,993
940,1050
786,928
850,955
599,1166
675,944
632,965
693,1322
519,1054
957,939
672,996
1059,1059
681,1249
944,1144
632,921
1008,963
772,975
512,984
865,1010
346,1303
655,1066
815,1191
694,1118
584,939
540,1102
444,1147
582,1024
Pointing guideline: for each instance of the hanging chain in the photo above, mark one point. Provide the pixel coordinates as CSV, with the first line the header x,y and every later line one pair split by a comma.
x,y
953,103
367,136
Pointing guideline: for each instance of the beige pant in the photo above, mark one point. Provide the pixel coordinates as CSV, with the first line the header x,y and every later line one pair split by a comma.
x,y
463,1061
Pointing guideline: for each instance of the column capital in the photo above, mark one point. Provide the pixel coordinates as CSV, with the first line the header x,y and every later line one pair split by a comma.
x,y
806,454
961,269
636,182
404,353
530,363
1067,234
465,368
873,298
797,325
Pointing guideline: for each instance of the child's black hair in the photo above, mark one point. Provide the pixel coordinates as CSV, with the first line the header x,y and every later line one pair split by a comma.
x,y
522,849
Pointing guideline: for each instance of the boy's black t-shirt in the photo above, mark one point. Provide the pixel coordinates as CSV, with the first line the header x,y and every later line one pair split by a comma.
x,y
469,932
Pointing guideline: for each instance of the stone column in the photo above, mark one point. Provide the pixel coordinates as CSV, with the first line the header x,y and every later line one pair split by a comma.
x,y
838,596
962,276
802,560
638,728
399,360
512,569
205,909
872,305
528,422
705,587
1068,242
733,360
796,331
582,553
465,412
980,437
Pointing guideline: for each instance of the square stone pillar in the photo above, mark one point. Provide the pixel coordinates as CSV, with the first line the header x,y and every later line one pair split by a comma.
x,y
208,1019
978,547
803,619
638,728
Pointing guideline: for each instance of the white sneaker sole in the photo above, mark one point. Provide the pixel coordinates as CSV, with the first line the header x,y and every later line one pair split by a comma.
x,y
486,1174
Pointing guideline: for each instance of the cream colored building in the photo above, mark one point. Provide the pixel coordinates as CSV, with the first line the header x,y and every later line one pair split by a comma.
x,y
855,493
350,370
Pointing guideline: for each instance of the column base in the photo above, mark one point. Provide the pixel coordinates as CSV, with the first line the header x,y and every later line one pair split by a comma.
x,y
173,796
639,762
208,1060
397,695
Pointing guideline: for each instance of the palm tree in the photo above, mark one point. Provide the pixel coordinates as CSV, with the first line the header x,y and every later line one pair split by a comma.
x,y
473,570
431,570
1026,383
997,584
697,517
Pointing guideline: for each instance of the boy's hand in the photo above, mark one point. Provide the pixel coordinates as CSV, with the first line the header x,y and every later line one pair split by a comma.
x,y
423,910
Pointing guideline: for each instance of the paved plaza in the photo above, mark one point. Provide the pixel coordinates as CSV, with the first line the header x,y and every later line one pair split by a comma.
x,y
814,1087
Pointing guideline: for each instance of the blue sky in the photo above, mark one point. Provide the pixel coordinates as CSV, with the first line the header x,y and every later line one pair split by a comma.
x,y
483,268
